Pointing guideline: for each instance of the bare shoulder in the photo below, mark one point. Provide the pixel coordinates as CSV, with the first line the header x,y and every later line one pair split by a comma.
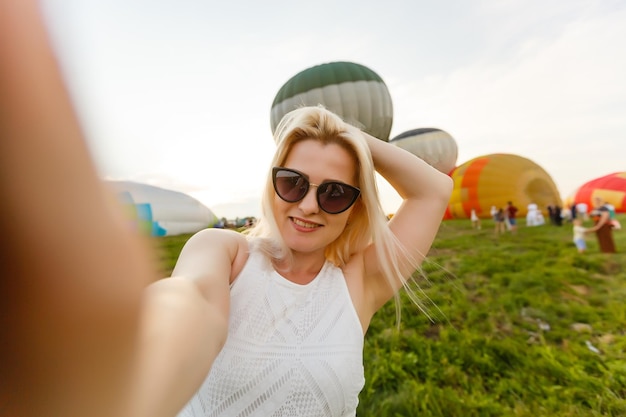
x,y
220,240
217,237
213,248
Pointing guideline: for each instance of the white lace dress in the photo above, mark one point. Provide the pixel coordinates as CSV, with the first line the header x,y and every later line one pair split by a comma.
x,y
292,350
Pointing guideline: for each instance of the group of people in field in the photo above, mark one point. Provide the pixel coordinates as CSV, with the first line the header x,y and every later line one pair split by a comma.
x,y
602,215
504,218
604,223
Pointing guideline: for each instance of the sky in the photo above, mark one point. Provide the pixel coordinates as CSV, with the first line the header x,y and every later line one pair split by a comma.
x,y
177,93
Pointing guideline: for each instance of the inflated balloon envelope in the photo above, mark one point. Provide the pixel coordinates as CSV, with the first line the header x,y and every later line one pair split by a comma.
x,y
354,92
493,180
156,211
434,146
611,188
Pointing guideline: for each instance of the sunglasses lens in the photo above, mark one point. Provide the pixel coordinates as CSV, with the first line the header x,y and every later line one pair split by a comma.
x,y
336,197
290,186
332,197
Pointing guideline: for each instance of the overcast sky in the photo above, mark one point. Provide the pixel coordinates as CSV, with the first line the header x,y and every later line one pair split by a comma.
x,y
177,93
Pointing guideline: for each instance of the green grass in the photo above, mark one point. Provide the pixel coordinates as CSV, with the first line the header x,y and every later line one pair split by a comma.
x,y
511,318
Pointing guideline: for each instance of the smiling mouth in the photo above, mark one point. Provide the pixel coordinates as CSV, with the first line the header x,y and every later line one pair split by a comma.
x,y
302,223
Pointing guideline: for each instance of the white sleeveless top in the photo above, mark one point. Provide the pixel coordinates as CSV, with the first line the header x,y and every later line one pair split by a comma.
x,y
292,350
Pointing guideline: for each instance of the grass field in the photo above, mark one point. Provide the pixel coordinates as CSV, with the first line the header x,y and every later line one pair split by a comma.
x,y
521,325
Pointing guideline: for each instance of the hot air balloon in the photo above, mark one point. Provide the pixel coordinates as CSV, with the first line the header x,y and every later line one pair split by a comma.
x,y
156,211
353,91
611,187
434,146
492,180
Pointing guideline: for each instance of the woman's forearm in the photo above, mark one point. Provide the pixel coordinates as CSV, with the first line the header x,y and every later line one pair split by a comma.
x,y
181,334
604,218
410,176
74,273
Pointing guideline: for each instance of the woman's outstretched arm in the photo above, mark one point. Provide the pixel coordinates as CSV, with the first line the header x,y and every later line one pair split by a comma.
x,y
87,329
73,274
184,322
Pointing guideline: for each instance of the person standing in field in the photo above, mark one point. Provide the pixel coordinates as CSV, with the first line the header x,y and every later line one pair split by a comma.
x,y
475,219
602,227
579,232
500,222
511,212
303,283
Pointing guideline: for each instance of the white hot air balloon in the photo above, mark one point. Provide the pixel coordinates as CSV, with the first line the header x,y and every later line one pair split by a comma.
x,y
434,146
157,211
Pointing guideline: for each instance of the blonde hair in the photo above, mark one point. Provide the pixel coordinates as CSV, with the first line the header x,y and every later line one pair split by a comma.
x,y
368,221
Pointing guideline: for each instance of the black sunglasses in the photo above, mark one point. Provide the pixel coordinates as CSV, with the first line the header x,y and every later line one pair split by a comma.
x,y
333,197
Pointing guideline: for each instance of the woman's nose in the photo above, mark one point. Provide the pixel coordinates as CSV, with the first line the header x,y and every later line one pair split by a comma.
x,y
309,204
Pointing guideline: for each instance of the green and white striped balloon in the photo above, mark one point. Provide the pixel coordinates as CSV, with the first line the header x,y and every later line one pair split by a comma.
x,y
352,91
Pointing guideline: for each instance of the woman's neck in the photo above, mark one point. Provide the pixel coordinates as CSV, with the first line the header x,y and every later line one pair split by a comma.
x,y
301,268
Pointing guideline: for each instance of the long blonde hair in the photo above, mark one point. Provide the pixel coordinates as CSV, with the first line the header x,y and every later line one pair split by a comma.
x,y
367,223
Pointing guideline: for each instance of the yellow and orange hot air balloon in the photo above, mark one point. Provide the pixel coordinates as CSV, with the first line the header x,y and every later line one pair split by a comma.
x,y
611,188
493,180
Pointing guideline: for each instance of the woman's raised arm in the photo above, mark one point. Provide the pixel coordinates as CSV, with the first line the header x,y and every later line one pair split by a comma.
x,y
425,195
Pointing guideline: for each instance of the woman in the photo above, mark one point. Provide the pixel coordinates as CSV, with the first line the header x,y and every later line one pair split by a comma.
x,y
322,251
603,227
500,221
268,323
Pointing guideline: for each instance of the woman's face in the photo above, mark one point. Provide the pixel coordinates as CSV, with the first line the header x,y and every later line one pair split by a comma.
x,y
303,225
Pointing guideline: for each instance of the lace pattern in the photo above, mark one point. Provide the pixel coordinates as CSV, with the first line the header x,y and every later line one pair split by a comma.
x,y
292,350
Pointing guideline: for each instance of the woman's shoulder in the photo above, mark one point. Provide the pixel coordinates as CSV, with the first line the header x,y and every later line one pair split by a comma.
x,y
216,236
222,241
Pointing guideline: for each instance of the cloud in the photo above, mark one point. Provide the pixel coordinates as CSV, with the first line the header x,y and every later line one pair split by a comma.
x,y
552,95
